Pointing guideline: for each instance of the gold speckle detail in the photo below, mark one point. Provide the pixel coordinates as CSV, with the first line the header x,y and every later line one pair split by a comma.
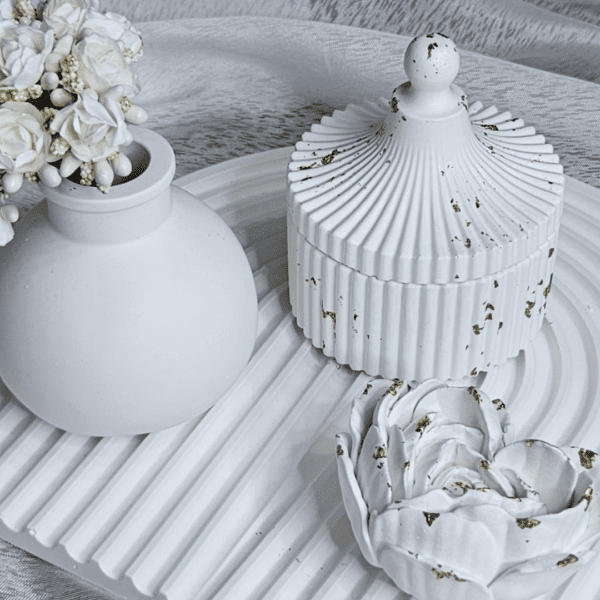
x,y
465,487
329,314
530,305
477,329
587,458
530,443
496,284
394,105
407,465
422,424
567,561
339,450
489,126
548,288
484,464
393,389
550,252
473,373
489,317
381,129
449,574
477,202
367,389
304,167
381,452
500,325
430,517
329,157
489,306
473,391
499,403
587,496
528,523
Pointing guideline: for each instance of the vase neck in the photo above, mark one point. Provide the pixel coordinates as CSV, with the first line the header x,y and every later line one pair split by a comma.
x,y
114,226
130,209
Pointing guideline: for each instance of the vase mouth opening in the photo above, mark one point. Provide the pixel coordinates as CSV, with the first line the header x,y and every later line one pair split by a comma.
x,y
153,168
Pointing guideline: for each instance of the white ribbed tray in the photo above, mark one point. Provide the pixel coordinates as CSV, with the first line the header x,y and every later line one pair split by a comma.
x,y
244,504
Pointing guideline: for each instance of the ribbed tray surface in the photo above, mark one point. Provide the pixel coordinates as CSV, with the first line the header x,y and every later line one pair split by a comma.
x,y
243,502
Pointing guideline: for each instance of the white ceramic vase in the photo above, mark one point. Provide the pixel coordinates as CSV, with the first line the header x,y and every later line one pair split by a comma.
x,y
127,312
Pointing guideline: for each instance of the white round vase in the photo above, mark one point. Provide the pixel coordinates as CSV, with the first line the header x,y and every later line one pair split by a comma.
x,y
126,312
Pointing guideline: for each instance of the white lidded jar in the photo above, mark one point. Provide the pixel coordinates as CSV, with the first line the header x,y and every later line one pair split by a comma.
x,y
126,312
422,232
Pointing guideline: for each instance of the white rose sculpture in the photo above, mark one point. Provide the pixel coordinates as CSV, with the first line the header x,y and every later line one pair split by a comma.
x,y
66,84
440,496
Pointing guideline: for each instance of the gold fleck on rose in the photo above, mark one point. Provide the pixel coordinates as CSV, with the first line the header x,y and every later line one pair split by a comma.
x,y
393,389
422,424
587,458
430,517
381,452
528,523
484,464
571,559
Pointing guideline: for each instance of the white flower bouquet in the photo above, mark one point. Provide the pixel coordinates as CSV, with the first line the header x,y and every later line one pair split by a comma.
x,y
440,496
66,84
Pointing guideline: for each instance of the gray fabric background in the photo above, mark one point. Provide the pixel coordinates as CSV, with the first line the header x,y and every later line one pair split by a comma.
x,y
227,78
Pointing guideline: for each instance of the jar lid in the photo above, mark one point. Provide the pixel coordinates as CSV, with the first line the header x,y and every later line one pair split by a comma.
x,y
424,188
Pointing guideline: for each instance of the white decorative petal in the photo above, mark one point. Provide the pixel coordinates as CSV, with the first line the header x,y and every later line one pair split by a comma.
x,y
539,575
372,471
540,468
354,504
425,579
464,545
361,415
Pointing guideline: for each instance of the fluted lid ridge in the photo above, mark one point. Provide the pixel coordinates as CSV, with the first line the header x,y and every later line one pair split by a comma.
x,y
424,188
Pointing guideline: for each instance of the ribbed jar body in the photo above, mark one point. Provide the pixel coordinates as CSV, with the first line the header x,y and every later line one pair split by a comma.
x,y
127,312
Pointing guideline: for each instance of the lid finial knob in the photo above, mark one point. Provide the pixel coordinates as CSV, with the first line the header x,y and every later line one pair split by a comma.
x,y
431,62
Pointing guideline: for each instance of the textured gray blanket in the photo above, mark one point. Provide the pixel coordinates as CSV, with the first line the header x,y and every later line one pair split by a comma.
x,y
227,78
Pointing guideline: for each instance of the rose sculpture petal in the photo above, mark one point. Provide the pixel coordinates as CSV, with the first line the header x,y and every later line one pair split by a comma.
x,y
440,496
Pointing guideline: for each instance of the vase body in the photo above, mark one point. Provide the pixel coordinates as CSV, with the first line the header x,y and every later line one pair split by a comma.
x,y
127,312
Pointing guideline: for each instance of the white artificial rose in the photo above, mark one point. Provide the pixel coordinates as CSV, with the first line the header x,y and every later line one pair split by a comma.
x,y
65,17
93,128
117,28
24,145
23,50
102,66
439,498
